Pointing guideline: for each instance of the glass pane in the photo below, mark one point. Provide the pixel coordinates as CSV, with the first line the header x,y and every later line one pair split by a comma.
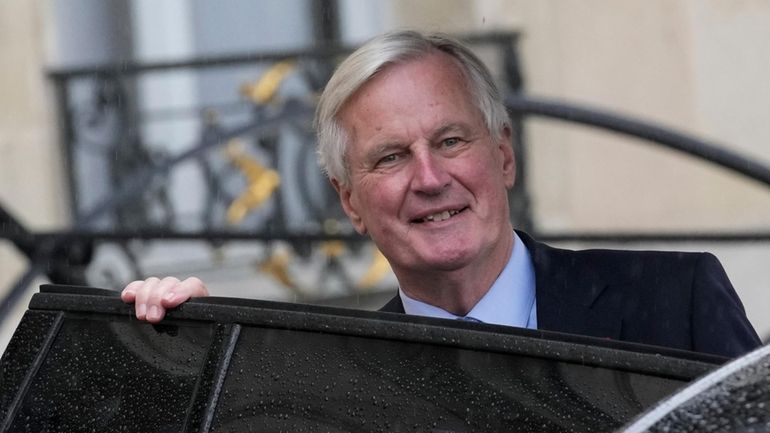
x,y
115,375
283,380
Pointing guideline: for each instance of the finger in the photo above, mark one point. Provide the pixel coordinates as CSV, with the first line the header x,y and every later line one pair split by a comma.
x,y
143,295
189,288
155,309
128,295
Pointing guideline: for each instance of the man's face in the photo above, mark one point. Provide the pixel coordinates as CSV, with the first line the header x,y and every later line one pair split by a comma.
x,y
428,182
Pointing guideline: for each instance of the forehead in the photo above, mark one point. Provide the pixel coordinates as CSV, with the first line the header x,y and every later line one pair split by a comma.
x,y
420,92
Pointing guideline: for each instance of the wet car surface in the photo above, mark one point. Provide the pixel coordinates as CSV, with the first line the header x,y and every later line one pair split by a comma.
x,y
81,362
734,398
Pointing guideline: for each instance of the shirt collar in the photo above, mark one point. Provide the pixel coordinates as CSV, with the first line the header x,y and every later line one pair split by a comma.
x,y
510,301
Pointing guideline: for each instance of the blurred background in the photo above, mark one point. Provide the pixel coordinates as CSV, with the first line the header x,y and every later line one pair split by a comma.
x,y
143,138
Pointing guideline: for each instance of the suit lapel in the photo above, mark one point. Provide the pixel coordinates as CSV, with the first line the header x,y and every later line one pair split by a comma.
x,y
572,294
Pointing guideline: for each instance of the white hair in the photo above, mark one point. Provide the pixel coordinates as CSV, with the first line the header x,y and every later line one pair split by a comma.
x,y
374,56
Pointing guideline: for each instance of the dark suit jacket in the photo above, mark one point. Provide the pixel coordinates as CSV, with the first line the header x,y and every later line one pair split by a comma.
x,y
673,299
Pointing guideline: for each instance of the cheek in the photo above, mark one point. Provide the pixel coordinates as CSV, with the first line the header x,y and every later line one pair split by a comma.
x,y
476,174
381,200
488,184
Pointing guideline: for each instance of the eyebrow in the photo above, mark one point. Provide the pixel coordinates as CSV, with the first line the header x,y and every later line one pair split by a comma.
x,y
451,127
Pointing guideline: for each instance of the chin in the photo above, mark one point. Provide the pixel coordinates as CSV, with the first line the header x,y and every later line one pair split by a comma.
x,y
450,261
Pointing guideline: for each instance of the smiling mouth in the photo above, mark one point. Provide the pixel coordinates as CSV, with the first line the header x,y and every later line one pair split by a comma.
x,y
439,216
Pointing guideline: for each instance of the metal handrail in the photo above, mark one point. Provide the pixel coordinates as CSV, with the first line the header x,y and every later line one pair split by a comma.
x,y
654,134
128,191
320,51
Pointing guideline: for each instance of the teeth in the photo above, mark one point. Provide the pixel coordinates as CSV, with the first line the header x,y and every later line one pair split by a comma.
x,y
441,216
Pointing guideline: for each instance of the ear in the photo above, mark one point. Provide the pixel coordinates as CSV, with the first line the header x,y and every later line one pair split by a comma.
x,y
348,205
508,157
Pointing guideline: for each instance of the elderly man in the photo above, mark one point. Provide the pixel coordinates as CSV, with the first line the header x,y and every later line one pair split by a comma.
x,y
414,137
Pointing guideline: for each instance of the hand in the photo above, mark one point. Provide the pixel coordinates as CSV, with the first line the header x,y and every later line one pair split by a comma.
x,y
154,296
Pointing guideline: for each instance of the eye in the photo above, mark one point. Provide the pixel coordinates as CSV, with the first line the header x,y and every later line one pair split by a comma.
x,y
452,141
388,159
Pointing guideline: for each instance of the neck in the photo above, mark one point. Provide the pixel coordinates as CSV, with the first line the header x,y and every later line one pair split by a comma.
x,y
458,291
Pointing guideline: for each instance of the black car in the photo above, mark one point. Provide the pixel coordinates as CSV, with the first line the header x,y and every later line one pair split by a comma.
x,y
80,362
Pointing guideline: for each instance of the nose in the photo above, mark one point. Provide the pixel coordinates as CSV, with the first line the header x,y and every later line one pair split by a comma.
x,y
430,175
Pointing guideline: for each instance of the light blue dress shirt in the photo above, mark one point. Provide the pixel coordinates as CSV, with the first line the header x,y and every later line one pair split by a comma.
x,y
510,301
